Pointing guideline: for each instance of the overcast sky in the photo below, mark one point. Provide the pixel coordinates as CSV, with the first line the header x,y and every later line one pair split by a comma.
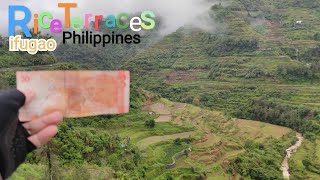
x,y
175,13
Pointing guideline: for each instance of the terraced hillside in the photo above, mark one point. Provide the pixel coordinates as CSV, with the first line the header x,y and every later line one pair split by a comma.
x,y
217,143
238,60
261,63
210,146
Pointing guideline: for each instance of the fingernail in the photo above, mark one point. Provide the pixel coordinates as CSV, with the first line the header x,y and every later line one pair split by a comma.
x,y
23,117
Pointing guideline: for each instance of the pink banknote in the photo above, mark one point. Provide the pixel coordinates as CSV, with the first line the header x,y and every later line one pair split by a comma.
x,y
75,93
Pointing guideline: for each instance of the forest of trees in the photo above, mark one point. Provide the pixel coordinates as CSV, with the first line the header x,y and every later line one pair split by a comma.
x,y
272,111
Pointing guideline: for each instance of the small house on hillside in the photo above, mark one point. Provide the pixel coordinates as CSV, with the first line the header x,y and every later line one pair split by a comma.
x,y
298,24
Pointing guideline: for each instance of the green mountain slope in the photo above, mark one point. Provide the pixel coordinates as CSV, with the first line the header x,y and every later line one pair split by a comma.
x,y
242,68
261,63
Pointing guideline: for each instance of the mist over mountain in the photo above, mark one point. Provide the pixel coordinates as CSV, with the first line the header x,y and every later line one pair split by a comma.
x,y
173,13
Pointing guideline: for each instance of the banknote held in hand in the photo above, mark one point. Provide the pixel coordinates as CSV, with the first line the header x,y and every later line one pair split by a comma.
x,y
75,93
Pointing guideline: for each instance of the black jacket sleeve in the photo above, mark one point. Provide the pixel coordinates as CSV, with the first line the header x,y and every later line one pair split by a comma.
x,y
14,143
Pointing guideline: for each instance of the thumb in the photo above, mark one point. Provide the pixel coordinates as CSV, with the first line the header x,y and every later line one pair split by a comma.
x,y
12,100
29,94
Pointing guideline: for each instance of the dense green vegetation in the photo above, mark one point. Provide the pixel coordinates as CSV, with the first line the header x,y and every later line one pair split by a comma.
x,y
258,162
305,164
277,113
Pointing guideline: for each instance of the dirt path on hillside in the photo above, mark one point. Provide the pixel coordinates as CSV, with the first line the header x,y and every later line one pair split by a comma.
x,y
292,149
144,143
274,36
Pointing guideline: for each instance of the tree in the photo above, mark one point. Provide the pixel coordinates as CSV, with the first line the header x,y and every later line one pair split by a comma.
x,y
150,123
317,37
177,141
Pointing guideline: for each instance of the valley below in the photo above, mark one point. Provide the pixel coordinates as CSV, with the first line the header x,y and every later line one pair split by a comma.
x,y
217,140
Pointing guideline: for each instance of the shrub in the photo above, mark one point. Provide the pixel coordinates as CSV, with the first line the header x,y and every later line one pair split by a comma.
x,y
150,123
229,46
255,72
317,37
297,71
311,55
177,141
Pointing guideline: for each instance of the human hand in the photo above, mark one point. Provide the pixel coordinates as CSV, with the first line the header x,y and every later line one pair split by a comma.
x,y
43,129
17,139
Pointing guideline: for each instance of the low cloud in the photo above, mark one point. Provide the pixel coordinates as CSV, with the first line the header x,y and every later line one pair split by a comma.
x,y
174,13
